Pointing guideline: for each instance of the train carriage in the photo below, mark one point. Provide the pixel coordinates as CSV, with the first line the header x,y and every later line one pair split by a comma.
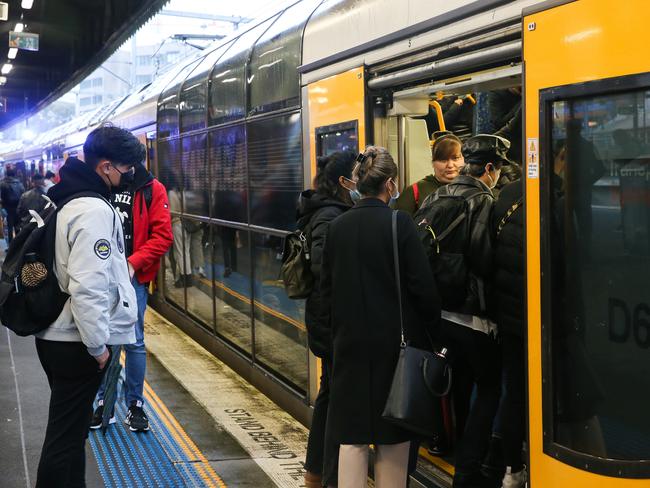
x,y
234,134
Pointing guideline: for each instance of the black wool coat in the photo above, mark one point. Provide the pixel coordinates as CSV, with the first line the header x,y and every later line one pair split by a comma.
x,y
509,286
360,303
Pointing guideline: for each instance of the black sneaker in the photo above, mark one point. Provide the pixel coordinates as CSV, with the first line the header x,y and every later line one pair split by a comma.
x,y
136,419
96,422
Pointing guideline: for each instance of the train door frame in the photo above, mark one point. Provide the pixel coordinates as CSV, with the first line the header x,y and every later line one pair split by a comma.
x,y
590,59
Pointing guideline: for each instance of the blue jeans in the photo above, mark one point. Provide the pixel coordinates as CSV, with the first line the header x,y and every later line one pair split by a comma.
x,y
136,354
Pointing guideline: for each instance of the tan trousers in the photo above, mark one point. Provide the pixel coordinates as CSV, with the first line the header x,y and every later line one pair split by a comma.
x,y
391,465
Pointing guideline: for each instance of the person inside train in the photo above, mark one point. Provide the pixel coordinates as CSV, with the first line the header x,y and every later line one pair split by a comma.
x,y
359,304
144,209
334,193
458,114
447,160
31,200
509,310
467,330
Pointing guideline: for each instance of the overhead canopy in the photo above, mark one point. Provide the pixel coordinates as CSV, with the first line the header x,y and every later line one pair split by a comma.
x,y
76,36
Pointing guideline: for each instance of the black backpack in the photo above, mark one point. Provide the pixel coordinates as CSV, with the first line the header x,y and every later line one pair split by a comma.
x,y
30,296
295,271
444,228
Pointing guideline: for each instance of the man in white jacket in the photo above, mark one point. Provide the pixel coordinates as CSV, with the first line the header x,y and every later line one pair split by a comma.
x,y
91,267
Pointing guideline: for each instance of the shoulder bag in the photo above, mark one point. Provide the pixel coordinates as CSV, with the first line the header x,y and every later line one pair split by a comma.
x,y
420,377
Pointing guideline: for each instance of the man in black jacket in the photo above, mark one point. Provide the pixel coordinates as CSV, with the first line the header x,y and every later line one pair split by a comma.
x,y
31,200
467,331
11,189
510,312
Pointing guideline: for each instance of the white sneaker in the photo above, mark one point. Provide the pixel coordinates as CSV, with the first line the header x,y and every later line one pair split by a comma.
x,y
515,480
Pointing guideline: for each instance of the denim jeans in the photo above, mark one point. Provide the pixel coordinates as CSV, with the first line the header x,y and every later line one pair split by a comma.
x,y
136,354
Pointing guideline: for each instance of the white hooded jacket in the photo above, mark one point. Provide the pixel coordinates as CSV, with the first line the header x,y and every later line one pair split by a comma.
x,y
91,267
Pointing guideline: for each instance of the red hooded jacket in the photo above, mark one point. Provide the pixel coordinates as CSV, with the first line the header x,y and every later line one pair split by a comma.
x,y
152,227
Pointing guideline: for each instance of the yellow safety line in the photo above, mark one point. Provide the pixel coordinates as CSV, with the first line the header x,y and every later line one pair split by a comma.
x,y
188,445
247,300
192,451
438,461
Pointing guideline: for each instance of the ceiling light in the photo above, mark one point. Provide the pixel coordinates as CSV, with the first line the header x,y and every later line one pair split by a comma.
x,y
27,4
6,68
19,27
13,51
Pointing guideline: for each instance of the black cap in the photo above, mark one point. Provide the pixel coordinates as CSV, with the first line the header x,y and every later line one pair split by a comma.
x,y
486,148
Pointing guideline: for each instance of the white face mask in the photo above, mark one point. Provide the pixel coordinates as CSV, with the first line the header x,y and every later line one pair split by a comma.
x,y
493,181
394,198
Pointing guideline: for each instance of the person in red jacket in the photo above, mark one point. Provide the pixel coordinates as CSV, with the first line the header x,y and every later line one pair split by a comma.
x,y
144,210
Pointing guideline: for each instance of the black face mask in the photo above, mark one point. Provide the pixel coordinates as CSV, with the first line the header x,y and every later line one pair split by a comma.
x,y
126,181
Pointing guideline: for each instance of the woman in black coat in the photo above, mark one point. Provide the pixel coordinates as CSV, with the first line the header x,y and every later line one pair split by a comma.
x,y
360,304
333,194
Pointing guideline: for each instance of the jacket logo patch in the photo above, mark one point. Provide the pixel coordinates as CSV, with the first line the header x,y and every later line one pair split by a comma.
x,y
103,249
120,245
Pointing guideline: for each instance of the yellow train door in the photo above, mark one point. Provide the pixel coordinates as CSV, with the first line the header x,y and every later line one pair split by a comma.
x,y
587,93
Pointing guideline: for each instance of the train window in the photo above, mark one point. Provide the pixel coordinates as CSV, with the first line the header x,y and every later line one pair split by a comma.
x,y
168,103
280,334
195,176
597,263
229,174
339,137
275,169
231,270
227,94
194,93
197,257
273,69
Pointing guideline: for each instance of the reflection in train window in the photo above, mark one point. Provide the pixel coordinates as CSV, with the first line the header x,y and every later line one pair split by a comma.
x,y
280,334
231,271
197,257
195,176
600,263
229,176
275,170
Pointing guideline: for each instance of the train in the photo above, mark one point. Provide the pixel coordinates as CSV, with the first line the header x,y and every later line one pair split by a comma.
x,y
234,133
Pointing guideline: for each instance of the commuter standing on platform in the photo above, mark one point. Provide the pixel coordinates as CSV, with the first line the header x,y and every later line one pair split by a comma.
x,y
11,189
31,200
146,221
360,305
90,265
334,194
49,180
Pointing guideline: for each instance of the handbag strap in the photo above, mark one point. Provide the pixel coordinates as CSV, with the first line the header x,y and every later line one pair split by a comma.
x,y
397,277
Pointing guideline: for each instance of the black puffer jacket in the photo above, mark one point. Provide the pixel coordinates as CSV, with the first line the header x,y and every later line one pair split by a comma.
x,y
509,277
315,212
480,251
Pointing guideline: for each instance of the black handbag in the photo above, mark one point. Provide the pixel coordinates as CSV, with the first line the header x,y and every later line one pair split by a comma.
x,y
420,377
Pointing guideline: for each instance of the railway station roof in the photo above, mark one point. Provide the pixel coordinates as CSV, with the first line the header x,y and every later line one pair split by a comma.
x,y
75,37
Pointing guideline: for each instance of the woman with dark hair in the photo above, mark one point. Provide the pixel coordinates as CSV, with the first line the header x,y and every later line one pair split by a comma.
x,y
447,161
360,304
333,194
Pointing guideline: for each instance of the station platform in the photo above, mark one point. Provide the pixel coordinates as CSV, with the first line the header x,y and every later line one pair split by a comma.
x,y
209,428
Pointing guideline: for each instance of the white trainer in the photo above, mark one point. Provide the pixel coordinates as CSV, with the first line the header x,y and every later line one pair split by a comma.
x,y
515,480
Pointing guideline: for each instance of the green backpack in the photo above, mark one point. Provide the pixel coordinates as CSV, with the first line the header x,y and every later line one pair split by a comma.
x,y
295,272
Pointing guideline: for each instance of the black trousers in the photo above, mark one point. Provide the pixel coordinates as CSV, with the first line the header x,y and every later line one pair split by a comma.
x,y
12,223
316,443
513,404
478,354
74,378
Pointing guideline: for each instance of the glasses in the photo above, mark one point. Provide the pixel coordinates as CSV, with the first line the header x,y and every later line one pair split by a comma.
x,y
131,170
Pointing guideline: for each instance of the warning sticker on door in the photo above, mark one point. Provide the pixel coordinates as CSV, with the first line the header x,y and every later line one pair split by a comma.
x,y
532,159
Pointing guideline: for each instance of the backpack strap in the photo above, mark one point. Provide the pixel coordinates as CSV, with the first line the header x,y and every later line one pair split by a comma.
x,y
508,214
416,195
